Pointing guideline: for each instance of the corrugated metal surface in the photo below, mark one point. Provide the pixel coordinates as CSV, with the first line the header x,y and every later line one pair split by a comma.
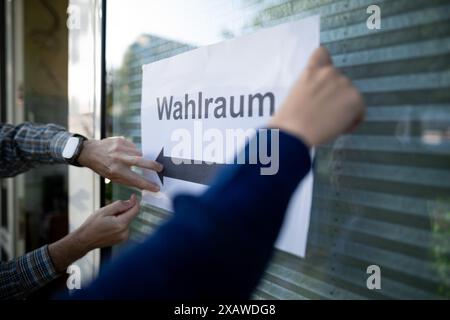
x,y
382,193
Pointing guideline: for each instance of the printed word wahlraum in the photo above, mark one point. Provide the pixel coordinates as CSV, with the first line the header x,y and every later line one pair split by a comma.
x,y
250,105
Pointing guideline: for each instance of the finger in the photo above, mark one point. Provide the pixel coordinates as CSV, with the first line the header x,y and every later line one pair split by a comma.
x,y
133,179
355,124
128,216
359,118
125,141
319,58
119,206
141,162
130,151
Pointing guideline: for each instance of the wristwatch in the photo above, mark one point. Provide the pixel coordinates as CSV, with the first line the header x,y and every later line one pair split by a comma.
x,y
73,148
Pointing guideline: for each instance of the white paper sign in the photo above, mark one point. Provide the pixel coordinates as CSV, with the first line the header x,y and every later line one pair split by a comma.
x,y
196,98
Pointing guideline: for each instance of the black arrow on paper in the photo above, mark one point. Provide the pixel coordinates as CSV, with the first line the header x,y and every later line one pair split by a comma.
x,y
187,170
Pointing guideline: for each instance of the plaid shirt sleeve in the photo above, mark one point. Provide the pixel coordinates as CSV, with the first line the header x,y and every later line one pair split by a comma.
x,y
27,145
22,276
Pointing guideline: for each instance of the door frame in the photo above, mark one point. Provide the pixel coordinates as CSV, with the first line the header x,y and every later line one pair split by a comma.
x,y
85,111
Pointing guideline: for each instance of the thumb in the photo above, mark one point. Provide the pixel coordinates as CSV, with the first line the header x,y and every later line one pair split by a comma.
x,y
319,58
129,215
119,206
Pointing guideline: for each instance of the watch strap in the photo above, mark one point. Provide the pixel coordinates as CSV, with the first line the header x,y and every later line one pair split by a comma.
x,y
74,160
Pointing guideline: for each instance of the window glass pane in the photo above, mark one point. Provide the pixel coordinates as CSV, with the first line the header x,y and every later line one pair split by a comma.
x,y
43,98
381,194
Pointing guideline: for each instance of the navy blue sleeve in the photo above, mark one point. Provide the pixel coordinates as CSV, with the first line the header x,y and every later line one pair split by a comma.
x,y
216,245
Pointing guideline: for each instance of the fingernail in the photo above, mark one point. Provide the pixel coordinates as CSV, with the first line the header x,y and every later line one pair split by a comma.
x,y
131,202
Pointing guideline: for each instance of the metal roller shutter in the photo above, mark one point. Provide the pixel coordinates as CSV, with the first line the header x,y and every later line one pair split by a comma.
x,y
381,194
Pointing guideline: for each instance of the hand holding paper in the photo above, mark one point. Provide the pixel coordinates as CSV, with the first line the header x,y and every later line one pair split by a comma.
x,y
322,104
113,158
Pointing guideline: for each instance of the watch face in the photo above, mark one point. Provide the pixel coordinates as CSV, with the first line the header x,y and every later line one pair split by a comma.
x,y
70,148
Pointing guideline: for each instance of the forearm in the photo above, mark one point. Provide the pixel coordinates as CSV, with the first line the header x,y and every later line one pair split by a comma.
x,y
27,145
67,250
216,245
